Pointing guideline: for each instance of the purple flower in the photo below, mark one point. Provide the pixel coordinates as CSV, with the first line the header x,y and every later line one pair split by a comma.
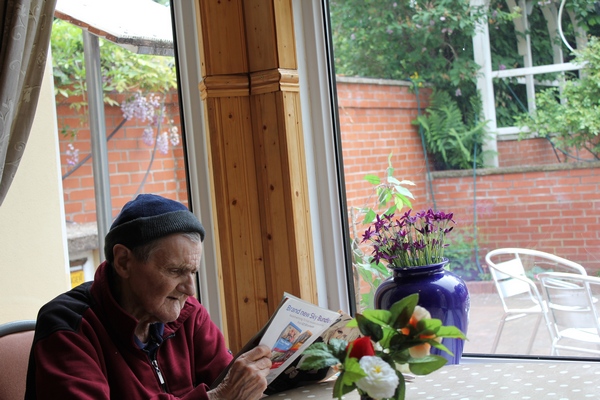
x,y
409,240
367,235
174,136
148,136
162,143
72,155
501,67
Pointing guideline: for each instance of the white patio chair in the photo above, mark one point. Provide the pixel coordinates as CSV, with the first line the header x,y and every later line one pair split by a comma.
x,y
573,311
519,294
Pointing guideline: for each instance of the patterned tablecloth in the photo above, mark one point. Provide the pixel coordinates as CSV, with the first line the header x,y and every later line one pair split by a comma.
x,y
512,381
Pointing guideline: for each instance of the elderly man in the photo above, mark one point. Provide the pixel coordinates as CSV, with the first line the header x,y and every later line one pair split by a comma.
x,y
136,332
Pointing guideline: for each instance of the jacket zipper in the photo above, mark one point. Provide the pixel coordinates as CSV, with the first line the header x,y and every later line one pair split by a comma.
x,y
154,363
161,379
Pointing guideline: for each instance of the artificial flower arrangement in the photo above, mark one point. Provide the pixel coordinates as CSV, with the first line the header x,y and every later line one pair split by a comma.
x,y
409,241
392,341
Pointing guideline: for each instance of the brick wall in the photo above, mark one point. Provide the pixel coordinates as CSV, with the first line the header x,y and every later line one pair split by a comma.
x,y
375,120
547,206
134,166
535,151
555,209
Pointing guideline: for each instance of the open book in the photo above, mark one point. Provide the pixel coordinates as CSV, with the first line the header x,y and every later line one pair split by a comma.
x,y
294,326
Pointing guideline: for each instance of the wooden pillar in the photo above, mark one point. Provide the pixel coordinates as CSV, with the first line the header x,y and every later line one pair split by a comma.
x,y
251,93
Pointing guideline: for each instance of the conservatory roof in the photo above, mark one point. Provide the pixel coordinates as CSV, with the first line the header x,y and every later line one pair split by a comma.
x,y
141,26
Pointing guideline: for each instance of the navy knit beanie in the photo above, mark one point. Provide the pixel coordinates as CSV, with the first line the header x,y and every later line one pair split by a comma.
x,y
146,218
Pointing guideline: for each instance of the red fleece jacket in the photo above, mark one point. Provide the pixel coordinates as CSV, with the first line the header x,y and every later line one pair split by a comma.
x,y
84,348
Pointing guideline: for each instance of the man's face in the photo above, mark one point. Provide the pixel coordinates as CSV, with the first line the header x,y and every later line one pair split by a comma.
x,y
156,290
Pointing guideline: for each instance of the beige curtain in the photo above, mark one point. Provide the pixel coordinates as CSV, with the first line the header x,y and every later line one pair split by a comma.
x,y
25,27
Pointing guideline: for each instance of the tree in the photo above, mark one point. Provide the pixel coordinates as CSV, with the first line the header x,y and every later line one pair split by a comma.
x,y
431,41
574,122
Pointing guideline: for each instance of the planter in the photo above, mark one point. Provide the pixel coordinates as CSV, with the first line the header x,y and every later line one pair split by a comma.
x,y
441,292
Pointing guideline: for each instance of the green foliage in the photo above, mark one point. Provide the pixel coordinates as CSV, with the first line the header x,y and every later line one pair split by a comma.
x,y
448,138
391,195
588,18
413,39
574,122
431,42
395,39
395,332
122,70
461,253
511,96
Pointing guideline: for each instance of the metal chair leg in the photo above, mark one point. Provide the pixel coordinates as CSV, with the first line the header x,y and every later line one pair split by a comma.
x,y
534,334
498,333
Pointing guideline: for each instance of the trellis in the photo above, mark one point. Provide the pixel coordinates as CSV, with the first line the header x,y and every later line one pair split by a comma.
x,y
552,12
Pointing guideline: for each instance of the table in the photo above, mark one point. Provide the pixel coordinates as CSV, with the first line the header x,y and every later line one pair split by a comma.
x,y
476,381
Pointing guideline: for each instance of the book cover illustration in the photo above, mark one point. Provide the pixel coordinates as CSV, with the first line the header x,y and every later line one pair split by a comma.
x,y
292,376
294,326
289,342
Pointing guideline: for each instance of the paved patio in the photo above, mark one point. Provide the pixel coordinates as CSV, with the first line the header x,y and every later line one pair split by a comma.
x,y
486,312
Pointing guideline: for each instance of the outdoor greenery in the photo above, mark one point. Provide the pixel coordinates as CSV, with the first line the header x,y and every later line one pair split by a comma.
x,y
574,122
144,80
431,43
391,195
464,256
420,40
122,70
454,143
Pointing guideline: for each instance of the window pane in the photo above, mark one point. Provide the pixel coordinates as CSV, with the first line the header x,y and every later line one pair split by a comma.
x,y
407,98
142,119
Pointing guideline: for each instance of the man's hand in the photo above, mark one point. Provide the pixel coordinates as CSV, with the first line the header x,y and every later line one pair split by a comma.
x,y
246,380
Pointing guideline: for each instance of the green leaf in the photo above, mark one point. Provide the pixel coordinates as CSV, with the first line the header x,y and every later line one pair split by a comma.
x,y
369,328
450,332
402,310
337,347
339,389
369,217
317,356
380,317
352,372
391,210
352,323
388,334
402,201
401,389
404,192
426,365
318,361
429,326
440,346
383,195
373,179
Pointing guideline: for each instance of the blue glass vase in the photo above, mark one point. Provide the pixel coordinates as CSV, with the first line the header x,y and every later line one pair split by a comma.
x,y
441,292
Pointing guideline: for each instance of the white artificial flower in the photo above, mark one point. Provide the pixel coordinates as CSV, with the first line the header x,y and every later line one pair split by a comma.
x,y
381,380
421,313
